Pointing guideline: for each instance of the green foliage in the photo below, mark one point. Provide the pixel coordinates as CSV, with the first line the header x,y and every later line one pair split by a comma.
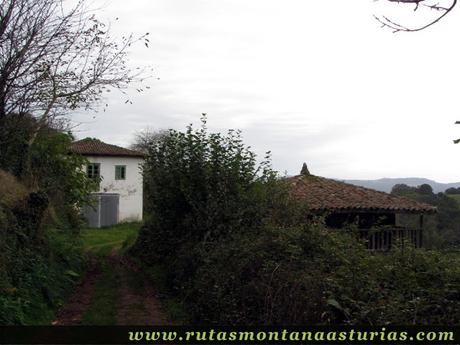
x,y
103,241
309,275
447,228
39,157
37,266
452,191
102,309
405,286
455,197
37,278
15,133
269,277
201,186
229,243
58,173
172,304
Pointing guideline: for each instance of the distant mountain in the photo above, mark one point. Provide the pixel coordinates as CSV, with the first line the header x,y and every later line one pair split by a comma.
x,y
386,184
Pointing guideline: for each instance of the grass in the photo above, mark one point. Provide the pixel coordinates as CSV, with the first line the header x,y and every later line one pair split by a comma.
x,y
456,197
103,241
172,305
120,238
102,310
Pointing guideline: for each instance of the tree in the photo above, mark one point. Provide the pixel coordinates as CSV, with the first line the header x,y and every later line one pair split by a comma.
x,y
425,189
448,212
146,138
452,191
54,60
443,8
402,189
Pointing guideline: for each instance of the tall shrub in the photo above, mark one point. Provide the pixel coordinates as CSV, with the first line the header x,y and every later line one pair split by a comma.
x,y
200,187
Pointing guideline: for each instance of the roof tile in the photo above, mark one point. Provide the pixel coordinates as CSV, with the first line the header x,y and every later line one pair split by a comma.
x,y
95,147
326,194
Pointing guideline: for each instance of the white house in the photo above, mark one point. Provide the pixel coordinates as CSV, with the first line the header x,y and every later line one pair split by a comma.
x,y
120,173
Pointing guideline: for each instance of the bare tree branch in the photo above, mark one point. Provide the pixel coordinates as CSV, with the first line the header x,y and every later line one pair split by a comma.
x,y
143,140
53,61
397,27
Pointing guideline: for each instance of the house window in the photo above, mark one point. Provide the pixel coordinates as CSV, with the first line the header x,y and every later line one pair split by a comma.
x,y
120,172
93,170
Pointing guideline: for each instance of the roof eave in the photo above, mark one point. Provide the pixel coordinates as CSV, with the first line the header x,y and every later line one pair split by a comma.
x,y
109,155
375,210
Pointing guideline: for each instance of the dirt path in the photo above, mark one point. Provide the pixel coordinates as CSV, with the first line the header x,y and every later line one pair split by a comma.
x,y
72,312
135,301
138,303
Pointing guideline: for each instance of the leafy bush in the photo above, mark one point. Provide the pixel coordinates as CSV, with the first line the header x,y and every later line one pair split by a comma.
x,y
201,187
270,277
311,275
40,160
404,286
60,175
35,275
57,172
452,190
37,267
238,249
201,190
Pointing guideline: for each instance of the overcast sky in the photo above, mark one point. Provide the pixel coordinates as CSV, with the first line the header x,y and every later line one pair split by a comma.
x,y
313,81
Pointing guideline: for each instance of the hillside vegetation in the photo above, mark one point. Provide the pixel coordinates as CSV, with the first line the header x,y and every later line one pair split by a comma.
x,y
444,232
38,266
455,197
386,184
237,249
41,187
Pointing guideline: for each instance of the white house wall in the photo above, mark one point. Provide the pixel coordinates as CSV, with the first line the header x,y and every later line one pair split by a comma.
x,y
130,189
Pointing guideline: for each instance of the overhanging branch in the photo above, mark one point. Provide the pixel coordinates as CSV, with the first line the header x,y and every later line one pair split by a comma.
x,y
397,27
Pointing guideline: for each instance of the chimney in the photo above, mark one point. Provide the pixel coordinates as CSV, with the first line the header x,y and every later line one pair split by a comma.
x,y
304,170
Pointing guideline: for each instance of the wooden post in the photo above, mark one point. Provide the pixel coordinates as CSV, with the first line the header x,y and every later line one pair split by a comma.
x,y
420,244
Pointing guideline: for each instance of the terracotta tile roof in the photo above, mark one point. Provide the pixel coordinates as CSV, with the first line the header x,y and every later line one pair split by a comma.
x,y
323,194
95,147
